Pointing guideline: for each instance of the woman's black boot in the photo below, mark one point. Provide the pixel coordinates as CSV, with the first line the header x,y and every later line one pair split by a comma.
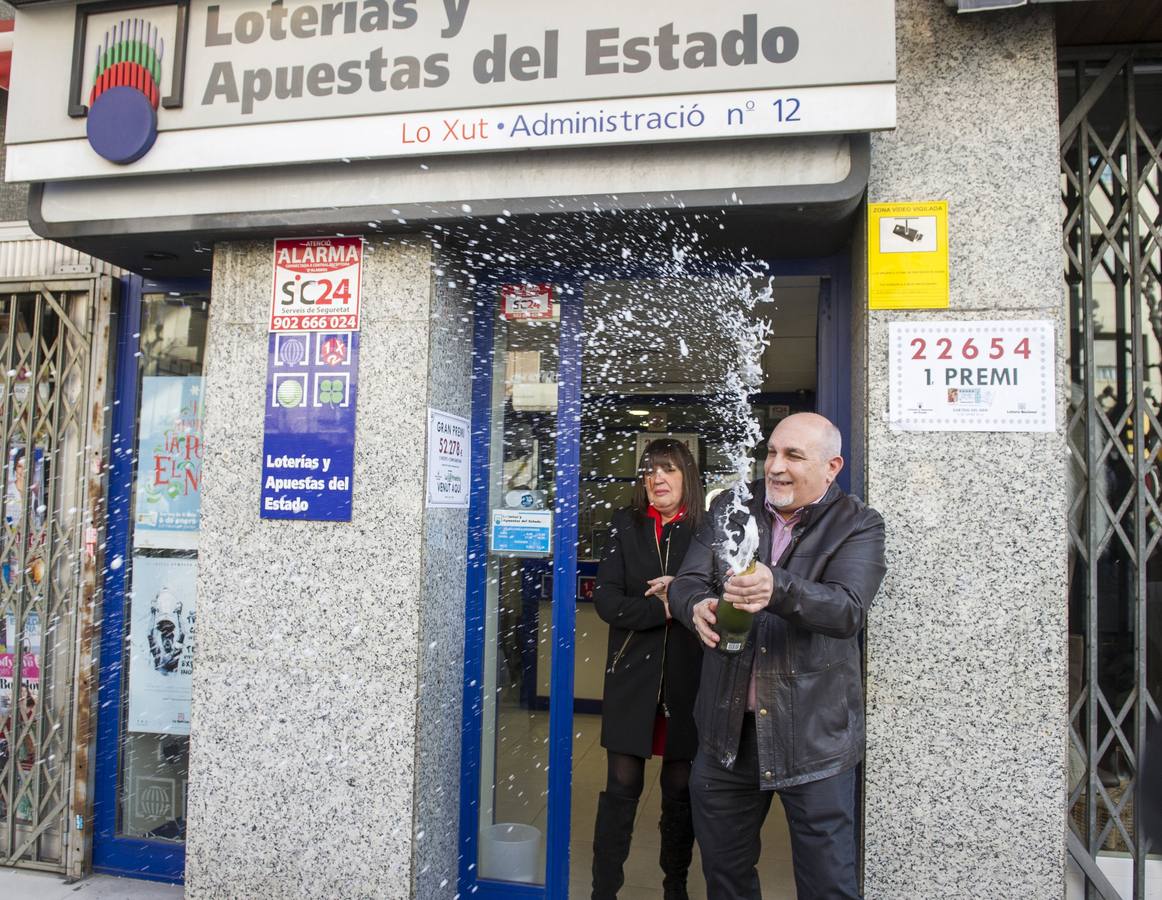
x,y
611,836
677,827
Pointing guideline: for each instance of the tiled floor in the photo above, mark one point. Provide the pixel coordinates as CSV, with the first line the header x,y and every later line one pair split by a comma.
x,y
643,877
521,758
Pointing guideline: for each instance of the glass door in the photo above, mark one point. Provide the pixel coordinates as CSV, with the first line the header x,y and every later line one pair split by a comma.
x,y
515,796
148,630
531,634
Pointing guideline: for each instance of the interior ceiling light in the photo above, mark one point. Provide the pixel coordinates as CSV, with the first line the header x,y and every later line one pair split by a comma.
x,y
639,412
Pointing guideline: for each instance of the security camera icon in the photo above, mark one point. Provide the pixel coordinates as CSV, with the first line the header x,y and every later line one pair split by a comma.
x,y
902,229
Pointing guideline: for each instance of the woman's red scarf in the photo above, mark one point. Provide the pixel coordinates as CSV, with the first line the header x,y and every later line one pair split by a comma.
x,y
657,517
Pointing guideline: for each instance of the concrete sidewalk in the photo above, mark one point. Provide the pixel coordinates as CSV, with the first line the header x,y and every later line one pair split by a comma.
x,y
16,884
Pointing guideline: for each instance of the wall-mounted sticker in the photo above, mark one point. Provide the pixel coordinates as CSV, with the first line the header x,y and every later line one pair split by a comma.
x,y
308,447
907,255
316,285
527,301
449,459
972,376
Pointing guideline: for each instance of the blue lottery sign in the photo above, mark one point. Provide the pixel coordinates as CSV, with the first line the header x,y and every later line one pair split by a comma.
x,y
308,447
521,532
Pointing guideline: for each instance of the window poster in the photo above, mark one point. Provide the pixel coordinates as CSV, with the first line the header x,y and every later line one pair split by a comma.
x,y
18,480
26,643
161,644
24,514
169,463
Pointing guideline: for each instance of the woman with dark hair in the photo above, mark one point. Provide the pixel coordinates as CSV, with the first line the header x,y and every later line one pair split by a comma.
x,y
652,668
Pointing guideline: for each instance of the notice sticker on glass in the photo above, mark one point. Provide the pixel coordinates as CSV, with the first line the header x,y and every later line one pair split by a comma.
x,y
526,301
161,644
517,532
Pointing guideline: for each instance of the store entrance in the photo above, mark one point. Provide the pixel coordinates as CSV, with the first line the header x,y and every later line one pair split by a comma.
x,y
572,375
642,393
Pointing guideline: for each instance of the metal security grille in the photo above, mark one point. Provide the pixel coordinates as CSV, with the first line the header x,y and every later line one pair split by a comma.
x,y
52,351
1111,140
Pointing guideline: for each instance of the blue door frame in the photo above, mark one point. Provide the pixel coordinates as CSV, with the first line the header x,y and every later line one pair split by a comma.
x,y
133,857
833,399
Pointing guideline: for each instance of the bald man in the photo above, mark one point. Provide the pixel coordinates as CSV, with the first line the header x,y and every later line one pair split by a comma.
x,y
786,714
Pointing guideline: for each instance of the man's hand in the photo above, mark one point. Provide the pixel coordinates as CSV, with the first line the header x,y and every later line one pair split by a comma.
x,y
704,620
750,593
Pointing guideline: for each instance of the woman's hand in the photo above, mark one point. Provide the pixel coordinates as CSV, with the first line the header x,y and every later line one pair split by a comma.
x,y
659,587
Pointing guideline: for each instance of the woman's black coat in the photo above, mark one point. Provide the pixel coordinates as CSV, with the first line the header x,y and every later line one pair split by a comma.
x,y
641,643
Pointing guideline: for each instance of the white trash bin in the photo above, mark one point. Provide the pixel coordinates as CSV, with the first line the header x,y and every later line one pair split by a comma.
x,y
509,852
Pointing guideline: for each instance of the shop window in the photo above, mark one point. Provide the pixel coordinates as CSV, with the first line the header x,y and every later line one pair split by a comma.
x,y
159,614
514,746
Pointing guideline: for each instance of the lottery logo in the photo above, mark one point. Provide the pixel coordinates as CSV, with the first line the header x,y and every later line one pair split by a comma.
x,y
290,393
128,65
291,351
122,122
333,350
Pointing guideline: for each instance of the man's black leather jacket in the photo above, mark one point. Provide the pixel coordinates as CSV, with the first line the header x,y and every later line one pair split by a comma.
x,y
809,713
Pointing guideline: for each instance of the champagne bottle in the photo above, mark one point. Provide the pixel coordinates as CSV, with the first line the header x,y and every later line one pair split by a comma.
x,y
733,624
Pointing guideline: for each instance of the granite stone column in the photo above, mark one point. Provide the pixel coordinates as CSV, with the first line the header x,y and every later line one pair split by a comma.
x,y
966,645
325,735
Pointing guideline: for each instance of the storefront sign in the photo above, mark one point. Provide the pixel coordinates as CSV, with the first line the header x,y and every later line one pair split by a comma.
x,y
972,376
517,532
308,449
449,459
167,512
316,284
313,81
526,301
907,255
161,644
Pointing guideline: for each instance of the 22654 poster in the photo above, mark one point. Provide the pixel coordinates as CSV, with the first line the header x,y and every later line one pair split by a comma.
x,y
972,376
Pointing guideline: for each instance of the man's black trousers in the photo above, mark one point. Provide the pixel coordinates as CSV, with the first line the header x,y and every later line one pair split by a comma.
x,y
729,811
